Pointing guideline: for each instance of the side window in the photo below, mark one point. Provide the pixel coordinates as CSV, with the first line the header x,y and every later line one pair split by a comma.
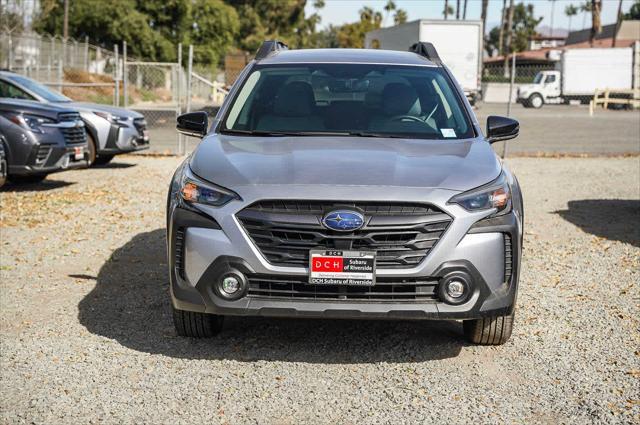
x,y
550,79
11,91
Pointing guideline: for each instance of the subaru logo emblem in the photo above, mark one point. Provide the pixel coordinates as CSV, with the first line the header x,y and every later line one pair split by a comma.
x,y
343,220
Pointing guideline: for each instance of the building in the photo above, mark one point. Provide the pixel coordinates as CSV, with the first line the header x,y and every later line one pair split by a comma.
x,y
538,42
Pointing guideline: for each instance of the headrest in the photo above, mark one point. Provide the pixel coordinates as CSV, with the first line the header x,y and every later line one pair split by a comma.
x,y
400,99
294,99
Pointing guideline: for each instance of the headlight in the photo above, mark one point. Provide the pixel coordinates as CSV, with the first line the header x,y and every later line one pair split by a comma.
x,y
30,122
115,119
194,190
496,194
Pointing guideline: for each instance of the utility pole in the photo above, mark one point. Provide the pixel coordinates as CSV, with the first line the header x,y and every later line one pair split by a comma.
x,y
65,28
509,37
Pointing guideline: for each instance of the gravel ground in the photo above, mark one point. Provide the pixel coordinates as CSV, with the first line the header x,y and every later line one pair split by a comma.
x,y
86,334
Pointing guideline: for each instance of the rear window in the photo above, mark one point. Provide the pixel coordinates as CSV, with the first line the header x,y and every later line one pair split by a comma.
x,y
354,99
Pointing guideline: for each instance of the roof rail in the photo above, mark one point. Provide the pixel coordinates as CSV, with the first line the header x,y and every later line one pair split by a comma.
x,y
269,47
427,50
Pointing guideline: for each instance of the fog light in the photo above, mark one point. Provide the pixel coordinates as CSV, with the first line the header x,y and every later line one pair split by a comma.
x,y
230,285
455,288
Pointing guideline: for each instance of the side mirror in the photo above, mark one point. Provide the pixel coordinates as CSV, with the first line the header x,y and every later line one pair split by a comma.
x,y
194,124
501,128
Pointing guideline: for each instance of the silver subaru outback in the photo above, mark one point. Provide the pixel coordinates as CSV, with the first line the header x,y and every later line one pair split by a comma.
x,y
343,183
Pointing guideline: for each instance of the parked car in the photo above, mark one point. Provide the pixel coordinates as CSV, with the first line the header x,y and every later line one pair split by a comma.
x,y
40,139
111,131
341,183
3,162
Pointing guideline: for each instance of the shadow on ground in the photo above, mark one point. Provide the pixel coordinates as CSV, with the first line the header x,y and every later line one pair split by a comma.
x,y
114,165
42,186
613,219
130,304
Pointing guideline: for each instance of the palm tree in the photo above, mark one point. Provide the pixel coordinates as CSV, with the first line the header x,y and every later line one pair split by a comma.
x,y
501,35
483,16
388,8
448,10
400,17
570,11
596,24
585,8
457,9
553,9
508,47
464,10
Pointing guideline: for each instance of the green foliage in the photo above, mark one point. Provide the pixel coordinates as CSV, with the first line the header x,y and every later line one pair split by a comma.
x,y
352,35
571,10
634,11
400,17
215,26
524,27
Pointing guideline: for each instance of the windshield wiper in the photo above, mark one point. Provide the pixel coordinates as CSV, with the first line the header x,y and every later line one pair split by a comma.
x,y
284,133
372,134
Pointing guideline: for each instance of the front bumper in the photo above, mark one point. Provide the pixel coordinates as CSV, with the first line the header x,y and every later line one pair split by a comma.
x,y
204,245
58,158
125,138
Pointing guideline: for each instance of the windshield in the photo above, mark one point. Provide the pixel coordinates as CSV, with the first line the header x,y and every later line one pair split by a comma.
x,y
349,99
538,78
39,89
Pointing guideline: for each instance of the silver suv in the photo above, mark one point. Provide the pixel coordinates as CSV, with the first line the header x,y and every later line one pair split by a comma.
x,y
350,184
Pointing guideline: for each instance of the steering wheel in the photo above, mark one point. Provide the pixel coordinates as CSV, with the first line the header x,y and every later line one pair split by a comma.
x,y
406,117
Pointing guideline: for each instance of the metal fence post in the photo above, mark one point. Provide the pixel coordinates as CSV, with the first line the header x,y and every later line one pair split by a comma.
x,y
189,71
179,96
10,52
513,78
116,79
86,53
125,101
60,75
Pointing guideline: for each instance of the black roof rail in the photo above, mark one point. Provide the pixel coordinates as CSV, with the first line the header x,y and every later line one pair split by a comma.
x,y
427,50
269,47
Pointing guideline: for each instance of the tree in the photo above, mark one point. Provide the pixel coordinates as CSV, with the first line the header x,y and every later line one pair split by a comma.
x,y
509,38
502,26
388,8
448,10
553,11
483,16
570,11
11,21
464,10
596,24
215,26
585,8
634,11
400,17
457,9
524,27
352,35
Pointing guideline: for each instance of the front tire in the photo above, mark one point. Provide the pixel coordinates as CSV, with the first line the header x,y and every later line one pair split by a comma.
x,y
489,330
535,101
196,325
91,143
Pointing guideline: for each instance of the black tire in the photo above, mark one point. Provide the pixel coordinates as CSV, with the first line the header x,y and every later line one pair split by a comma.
x,y
489,330
36,178
535,101
196,325
91,143
103,159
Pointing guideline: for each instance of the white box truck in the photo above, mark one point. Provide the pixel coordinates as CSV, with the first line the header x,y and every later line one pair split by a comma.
x,y
459,45
578,73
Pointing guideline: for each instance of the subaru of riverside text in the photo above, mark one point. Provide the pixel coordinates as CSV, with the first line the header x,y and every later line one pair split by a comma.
x,y
350,184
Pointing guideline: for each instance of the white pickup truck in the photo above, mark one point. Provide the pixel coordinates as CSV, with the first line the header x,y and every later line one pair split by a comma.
x,y
577,75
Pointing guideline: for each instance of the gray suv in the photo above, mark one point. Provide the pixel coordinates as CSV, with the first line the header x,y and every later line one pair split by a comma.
x,y
350,184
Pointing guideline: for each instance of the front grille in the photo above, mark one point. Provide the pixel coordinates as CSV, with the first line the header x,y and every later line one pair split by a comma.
x,y
385,289
75,135
42,153
68,116
401,234
179,252
508,257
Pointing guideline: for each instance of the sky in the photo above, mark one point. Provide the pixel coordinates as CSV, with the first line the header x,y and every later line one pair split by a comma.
x,y
338,12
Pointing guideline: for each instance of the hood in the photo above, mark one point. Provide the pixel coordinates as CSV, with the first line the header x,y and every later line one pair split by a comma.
x,y
232,161
121,112
522,88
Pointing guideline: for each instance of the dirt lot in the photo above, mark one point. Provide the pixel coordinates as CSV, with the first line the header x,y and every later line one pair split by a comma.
x,y
86,334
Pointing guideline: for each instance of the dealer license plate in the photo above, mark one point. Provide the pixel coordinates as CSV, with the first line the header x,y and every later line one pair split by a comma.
x,y
355,268
78,153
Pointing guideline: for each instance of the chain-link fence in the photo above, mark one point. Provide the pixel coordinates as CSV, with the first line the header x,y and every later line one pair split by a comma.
x,y
84,72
